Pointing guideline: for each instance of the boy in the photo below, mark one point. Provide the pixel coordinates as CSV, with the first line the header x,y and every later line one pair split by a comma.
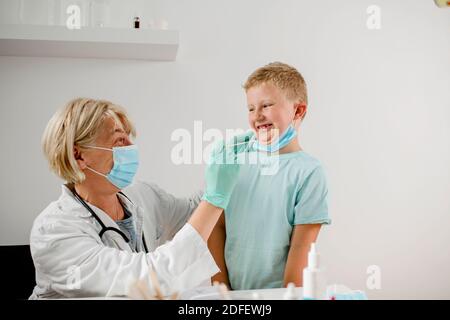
x,y
264,235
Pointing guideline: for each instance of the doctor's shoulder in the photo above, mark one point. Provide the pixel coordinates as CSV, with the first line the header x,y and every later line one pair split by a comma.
x,y
58,218
146,194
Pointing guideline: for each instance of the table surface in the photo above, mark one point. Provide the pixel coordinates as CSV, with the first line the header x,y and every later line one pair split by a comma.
x,y
212,293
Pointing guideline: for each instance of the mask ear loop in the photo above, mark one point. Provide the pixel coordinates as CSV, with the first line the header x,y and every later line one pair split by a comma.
x,y
99,148
95,171
293,124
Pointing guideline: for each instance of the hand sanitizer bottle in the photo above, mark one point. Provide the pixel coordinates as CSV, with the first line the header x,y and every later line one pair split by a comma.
x,y
313,277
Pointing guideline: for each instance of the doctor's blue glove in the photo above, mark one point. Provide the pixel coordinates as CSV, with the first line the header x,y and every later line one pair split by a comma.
x,y
222,170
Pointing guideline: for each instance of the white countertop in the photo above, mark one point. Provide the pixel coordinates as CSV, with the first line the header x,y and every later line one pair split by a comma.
x,y
211,293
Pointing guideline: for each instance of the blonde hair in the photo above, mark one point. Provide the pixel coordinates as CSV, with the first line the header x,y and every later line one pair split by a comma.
x,y
78,124
284,77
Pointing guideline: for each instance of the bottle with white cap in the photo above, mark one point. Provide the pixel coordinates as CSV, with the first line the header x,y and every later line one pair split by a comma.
x,y
290,293
313,277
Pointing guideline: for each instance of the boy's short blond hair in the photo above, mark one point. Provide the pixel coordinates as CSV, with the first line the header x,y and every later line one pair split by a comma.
x,y
284,77
78,124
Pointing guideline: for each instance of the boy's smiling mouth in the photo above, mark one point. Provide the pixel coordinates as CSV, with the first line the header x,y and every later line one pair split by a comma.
x,y
265,132
266,126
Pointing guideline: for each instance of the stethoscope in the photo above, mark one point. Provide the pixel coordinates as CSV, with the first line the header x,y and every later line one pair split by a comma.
x,y
105,228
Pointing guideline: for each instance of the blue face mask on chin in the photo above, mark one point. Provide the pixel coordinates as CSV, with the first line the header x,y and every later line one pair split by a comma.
x,y
126,163
289,134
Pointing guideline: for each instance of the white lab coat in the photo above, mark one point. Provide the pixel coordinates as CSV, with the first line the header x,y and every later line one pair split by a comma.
x,y
72,261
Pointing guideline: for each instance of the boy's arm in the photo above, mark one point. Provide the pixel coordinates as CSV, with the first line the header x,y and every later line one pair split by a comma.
x,y
216,244
302,237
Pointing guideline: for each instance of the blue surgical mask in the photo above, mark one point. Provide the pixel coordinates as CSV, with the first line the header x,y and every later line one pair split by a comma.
x,y
289,134
126,162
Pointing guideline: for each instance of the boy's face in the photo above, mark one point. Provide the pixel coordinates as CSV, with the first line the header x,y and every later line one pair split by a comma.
x,y
270,111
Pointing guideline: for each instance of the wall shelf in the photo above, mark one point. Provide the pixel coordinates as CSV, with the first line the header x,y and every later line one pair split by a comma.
x,y
104,43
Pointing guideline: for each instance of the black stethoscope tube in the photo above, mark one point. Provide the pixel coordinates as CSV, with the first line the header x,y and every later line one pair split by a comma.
x,y
104,228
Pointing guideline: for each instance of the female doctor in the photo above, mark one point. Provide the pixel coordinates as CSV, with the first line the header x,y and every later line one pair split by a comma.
x,y
104,232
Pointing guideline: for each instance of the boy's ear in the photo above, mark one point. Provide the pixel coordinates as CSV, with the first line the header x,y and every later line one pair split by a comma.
x,y
300,110
79,157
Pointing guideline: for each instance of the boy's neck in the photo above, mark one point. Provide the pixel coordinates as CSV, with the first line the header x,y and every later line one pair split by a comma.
x,y
292,146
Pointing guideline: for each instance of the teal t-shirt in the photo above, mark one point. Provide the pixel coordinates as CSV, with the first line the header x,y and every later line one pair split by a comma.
x,y
272,195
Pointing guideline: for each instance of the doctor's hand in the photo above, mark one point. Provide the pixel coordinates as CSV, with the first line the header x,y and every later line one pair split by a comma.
x,y
222,170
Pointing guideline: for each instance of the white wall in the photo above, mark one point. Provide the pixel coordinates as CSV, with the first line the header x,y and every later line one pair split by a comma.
x,y
379,120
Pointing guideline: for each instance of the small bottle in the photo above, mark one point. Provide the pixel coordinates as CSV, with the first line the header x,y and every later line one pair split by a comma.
x,y
256,296
313,277
137,22
290,293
